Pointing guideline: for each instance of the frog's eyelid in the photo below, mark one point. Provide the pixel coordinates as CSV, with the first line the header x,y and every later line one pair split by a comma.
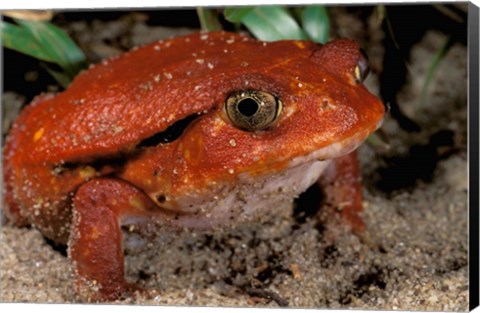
x,y
364,54
362,69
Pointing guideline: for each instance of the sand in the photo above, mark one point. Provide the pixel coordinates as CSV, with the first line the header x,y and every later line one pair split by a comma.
x,y
415,258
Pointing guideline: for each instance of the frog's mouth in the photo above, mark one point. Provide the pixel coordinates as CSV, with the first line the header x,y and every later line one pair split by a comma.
x,y
335,149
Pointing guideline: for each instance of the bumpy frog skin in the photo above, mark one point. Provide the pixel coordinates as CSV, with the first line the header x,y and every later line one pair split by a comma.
x,y
147,137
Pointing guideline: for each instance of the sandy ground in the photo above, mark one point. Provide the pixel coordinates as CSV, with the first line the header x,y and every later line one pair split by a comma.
x,y
415,258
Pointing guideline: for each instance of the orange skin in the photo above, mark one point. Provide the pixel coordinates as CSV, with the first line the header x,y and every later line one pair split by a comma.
x,y
61,166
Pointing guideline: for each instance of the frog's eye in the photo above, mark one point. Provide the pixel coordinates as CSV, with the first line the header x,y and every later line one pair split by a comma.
x,y
362,69
252,110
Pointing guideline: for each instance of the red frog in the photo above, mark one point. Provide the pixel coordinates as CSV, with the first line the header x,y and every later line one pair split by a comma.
x,y
201,132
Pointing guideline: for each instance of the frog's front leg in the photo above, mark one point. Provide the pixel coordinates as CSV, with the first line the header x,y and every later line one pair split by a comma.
x,y
95,245
341,183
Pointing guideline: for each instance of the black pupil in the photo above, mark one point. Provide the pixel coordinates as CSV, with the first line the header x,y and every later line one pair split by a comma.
x,y
247,107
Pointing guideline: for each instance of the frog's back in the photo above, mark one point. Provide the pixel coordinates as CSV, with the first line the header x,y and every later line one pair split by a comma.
x,y
113,106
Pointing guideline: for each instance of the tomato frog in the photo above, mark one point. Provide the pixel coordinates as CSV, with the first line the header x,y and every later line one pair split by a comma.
x,y
197,132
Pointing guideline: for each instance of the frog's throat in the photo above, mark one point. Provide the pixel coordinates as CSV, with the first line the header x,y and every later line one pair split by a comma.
x,y
251,198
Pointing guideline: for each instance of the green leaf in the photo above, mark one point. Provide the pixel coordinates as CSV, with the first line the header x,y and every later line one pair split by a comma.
x,y
46,42
439,55
56,44
18,39
236,14
379,15
316,23
379,141
297,12
384,14
208,19
61,78
270,23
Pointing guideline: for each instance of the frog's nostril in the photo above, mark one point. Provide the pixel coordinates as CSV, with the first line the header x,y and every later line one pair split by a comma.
x,y
161,198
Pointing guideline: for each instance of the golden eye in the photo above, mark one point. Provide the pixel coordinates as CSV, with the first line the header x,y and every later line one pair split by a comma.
x,y
252,110
362,69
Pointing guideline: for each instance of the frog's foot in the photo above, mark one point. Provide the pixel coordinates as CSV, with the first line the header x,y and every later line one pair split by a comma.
x,y
95,245
92,292
341,183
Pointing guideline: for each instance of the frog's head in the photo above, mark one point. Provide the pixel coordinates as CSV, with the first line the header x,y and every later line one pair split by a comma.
x,y
279,102
281,110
